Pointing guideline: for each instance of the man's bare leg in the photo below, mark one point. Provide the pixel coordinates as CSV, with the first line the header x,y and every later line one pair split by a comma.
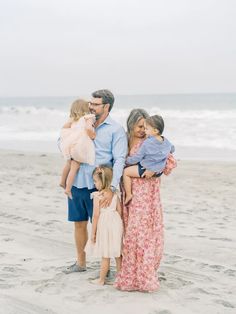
x,y
129,172
81,238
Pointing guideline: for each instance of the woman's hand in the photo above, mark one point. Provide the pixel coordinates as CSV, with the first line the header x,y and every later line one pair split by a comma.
x,y
148,174
106,198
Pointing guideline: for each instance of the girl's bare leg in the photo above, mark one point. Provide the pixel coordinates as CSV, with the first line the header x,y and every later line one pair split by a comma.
x,y
129,172
118,264
74,167
118,268
105,265
65,173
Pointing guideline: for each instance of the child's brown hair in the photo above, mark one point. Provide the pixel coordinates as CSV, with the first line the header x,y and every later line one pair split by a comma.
x,y
156,122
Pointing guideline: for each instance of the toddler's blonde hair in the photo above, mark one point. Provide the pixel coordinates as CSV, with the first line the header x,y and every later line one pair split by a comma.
x,y
104,173
78,109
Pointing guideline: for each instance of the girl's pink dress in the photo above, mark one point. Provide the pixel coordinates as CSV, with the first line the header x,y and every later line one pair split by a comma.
x,y
75,142
143,238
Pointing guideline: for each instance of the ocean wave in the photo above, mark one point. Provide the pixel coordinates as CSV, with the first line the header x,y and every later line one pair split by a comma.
x,y
12,110
198,128
124,112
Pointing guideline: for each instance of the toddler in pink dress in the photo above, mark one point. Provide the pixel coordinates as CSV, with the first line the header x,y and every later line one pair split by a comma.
x,y
76,142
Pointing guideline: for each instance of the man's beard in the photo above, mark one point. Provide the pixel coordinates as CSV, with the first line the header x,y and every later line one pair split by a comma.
x,y
97,116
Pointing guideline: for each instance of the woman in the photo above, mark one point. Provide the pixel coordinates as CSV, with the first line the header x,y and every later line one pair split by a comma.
x,y
143,222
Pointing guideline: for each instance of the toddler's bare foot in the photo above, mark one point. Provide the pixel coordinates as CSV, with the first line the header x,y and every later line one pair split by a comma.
x,y
128,198
98,282
68,193
62,185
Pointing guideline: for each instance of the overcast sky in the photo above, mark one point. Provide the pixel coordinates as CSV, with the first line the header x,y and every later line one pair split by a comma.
x,y
70,47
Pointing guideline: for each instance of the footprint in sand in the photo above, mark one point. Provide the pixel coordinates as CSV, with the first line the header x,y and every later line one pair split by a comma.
x,y
8,239
27,259
225,303
176,283
217,267
230,272
202,291
160,312
5,286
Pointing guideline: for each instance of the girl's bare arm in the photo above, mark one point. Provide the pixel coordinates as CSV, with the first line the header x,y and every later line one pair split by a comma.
x,y
118,207
67,125
96,213
91,133
90,128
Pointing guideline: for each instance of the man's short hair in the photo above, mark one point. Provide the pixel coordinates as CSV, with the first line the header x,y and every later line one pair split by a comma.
x,y
106,96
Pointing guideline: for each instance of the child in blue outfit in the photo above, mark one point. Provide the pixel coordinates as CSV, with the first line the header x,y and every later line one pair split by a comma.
x,y
152,155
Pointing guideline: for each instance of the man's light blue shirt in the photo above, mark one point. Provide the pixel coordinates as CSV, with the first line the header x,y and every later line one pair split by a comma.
x,y
110,149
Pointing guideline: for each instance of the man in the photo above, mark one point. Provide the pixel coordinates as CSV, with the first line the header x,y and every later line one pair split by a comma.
x,y
111,149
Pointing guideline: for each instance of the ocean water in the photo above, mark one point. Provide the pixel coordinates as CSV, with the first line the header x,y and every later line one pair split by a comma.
x,y
201,126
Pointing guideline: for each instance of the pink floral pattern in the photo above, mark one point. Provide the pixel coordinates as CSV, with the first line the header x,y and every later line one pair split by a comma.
x,y
143,237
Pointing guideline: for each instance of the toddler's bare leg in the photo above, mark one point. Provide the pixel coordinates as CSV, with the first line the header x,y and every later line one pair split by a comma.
x,y
129,172
105,265
74,167
65,173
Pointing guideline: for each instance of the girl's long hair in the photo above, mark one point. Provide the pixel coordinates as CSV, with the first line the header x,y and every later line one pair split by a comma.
x,y
78,109
104,173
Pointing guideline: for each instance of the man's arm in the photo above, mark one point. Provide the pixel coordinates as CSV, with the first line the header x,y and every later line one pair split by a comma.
x,y
119,152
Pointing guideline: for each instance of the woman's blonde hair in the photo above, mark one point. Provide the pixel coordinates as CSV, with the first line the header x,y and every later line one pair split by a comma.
x,y
78,109
104,173
134,117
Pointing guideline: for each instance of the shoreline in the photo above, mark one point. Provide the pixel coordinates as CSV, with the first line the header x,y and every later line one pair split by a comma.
x,y
193,154
198,269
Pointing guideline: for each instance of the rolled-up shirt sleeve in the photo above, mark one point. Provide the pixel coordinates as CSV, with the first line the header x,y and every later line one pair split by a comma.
x,y
119,152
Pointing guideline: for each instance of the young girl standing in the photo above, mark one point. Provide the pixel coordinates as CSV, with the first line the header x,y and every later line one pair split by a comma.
x,y
107,226
76,142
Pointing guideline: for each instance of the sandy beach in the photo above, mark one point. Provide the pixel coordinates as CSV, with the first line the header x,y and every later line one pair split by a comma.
x,y
198,270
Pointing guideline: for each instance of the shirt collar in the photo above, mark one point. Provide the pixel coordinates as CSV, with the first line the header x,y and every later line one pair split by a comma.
x,y
108,120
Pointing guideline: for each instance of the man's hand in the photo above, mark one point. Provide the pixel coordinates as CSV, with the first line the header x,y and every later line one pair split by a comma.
x,y
106,198
148,174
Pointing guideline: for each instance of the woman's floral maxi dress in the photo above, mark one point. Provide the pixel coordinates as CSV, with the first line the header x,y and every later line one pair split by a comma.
x,y
143,238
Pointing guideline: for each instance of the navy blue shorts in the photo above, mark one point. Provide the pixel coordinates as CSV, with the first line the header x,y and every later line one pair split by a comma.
x,y
141,171
80,208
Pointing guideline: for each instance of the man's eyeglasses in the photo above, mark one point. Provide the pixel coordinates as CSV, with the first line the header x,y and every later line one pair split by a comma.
x,y
92,104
